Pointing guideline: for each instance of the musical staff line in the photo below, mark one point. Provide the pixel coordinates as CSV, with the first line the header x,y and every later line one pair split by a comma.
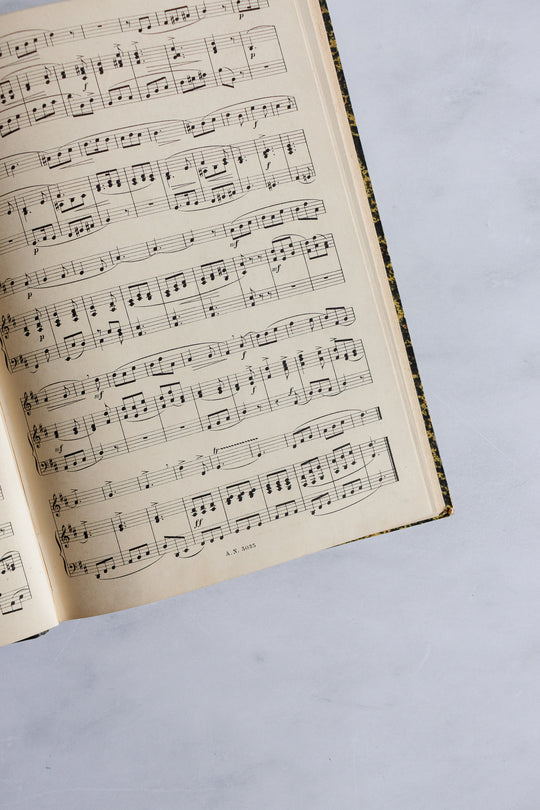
x,y
242,454
93,453
165,363
79,89
6,530
319,485
194,179
91,266
142,407
13,584
152,292
161,133
27,46
165,292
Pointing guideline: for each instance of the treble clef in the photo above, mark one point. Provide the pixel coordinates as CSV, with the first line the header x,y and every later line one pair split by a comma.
x,y
62,538
36,436
55,505
4,328
27,407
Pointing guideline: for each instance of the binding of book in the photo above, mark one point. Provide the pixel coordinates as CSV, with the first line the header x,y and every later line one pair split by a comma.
x,y
206,368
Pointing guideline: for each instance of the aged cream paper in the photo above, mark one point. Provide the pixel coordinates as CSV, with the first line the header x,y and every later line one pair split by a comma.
x,y
26,604
204,373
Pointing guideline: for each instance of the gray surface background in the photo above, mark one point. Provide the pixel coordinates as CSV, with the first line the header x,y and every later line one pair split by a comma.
x,y
401,673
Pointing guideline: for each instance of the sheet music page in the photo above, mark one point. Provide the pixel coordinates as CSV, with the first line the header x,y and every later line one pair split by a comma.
x,y
203,373
26,604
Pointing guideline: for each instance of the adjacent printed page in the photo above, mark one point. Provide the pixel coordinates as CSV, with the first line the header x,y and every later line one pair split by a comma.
x,y
203,369
26,604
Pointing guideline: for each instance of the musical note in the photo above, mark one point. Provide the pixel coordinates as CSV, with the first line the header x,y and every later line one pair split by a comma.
x,y
138,553
26,46
263,496
225,61
95,197
95,265
244,524
284,510
140,407
14,589
278,481
186,305
312,471
231,456
74,345
102,567
6,530
10,125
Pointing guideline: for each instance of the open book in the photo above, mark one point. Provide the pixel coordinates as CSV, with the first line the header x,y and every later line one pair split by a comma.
x,y
205,366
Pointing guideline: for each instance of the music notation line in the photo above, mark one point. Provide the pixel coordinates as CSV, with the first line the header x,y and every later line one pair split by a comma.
x,y
165,363
173,394
317,471
90,266
232,456
14,588
176,68
75,345
6,530
200,307
153,58
77,208
27,44
160,289
12,601
91,454
318,486
161,133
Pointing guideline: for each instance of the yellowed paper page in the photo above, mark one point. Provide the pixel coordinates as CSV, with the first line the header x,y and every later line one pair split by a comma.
x,y
26,604
204,373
